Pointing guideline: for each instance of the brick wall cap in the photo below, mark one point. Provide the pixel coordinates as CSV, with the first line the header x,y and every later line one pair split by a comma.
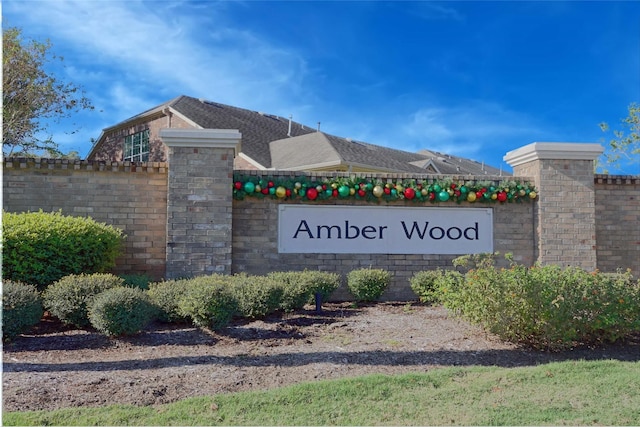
x,y
553,151
202,138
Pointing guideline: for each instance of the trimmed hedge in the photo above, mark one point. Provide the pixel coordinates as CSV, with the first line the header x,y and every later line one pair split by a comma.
x,y
256,296
70,297
320,282
368,284
121,311
208,301
166,296
40,248
21,308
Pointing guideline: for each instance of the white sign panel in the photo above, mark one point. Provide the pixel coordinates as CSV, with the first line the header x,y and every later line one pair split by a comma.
x,y
384,230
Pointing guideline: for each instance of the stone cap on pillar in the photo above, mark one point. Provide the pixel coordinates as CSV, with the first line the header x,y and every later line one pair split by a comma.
x,y
553,151
201,138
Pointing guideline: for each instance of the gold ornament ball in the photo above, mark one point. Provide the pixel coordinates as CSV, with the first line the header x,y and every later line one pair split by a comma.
x,y
378,191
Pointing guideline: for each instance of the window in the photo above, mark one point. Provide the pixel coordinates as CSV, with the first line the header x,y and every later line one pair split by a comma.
x,y
136,147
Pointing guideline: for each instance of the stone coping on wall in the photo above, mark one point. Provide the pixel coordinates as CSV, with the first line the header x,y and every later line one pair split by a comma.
x,y
616,179
89,165
378,175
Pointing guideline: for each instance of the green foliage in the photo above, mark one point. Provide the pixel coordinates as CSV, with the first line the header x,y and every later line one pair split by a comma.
x,y
165,296
208,301
70,297
257,296
300,287
320,282
121,311
548,307
425,285
368,284
140,281
21,308
295,290
32,96
625,145
40,248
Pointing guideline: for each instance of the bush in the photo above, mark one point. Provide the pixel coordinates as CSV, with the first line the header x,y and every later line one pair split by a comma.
x,y
320,282
257,296
295,291
21,308
140,281
121,311
368,284
40,248
208,301
548,307
69,298
166,296
425,285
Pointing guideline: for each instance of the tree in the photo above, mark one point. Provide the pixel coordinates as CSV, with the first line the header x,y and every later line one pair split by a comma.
x,y
31,97
626,145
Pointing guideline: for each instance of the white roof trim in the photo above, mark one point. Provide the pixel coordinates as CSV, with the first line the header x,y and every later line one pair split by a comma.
x,y
553,151
253,162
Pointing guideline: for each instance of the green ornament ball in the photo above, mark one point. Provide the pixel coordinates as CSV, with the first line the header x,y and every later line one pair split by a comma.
x,y
249,187
437,188
343,191
443,196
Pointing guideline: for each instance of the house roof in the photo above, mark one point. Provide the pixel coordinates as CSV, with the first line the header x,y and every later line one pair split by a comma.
x,y
274,142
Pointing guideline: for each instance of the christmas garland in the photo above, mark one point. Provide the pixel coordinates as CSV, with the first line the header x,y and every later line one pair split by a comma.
x,y
375,190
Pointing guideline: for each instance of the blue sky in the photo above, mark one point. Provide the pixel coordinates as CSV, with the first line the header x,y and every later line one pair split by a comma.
x,y
475,79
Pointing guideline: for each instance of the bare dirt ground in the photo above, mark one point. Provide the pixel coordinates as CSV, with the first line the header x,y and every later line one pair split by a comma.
x,y
54,366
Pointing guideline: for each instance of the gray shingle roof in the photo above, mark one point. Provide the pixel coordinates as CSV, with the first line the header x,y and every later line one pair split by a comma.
x,y
276,142
257,129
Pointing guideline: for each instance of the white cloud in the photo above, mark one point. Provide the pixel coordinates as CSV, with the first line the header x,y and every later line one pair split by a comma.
x,y
131,55
467,129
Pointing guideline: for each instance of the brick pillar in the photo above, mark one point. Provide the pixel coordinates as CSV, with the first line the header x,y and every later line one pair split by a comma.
x,y
199,200
565,210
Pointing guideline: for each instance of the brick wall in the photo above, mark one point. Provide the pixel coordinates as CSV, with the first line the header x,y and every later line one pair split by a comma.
x,y
255,242
129,196
134,197
617,201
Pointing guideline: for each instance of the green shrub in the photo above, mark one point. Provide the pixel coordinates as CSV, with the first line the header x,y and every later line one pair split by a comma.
x,y
208,301
21,308
320,282
69,298
548,307
140,281
368,284
166,296
40,248
257,296
121,311
425,285
295,291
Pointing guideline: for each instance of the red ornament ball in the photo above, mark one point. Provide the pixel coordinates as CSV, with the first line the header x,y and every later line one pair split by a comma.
x,y
312,193
502,196
409,193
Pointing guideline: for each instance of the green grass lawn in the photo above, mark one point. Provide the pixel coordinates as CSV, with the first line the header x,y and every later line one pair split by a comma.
x,y
566,393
